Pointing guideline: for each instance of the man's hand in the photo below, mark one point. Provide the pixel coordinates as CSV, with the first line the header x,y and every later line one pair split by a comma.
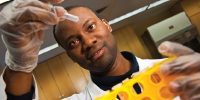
x,y
187,62
22,27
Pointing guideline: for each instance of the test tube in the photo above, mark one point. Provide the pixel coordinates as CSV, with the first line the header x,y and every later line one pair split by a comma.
x,y
70,17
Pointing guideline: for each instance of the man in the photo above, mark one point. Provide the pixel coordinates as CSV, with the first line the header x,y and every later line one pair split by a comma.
x,y
90,43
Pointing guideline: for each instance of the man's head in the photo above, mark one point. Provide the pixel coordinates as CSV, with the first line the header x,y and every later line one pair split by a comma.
x,y
89,42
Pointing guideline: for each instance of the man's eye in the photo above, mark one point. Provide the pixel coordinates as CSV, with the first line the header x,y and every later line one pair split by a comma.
x,y
73,42
92,26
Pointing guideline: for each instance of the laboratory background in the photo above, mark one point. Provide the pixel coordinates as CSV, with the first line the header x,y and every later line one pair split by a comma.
x,y
139,26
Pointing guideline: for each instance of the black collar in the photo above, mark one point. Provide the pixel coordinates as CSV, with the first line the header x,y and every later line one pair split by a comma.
x,y
107,82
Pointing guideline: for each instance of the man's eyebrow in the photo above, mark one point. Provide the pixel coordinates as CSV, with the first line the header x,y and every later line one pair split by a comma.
x,y
86,22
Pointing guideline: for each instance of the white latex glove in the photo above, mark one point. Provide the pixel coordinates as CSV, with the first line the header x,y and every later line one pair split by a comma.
x,y
187,62
22,25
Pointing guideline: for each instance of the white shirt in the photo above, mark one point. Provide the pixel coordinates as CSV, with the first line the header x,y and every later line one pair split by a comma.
x,y
90,92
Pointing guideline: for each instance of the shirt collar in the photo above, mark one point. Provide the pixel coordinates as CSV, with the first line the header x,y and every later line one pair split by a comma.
x,y
106,82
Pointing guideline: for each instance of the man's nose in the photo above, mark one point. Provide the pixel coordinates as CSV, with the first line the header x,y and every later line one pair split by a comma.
x,y
88,41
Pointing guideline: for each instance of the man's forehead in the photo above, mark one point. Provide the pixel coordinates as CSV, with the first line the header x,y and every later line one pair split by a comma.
x,y
82,12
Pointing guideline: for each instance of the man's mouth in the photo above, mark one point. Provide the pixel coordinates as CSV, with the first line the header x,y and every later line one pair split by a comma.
x,y
97,54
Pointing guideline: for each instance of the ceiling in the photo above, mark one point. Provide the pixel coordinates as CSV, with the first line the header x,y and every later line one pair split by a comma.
x,y
113,9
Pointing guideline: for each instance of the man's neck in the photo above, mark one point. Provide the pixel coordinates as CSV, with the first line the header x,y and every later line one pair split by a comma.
x,y
121,66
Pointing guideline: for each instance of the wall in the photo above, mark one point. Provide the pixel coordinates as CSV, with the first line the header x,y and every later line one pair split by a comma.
x,y
176,9
141,27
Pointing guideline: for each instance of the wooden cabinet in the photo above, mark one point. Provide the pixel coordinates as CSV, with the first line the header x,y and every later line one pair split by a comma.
x,y
191,7
134,42
86,73
47,82
150,45
61,77
75,73
121,42
40,91
196,20
127,40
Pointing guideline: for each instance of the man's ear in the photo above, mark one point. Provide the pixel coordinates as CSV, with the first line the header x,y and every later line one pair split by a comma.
x,y
107,24
71,57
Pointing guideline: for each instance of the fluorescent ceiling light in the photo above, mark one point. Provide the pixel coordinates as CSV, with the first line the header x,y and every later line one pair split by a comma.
x,y
157,3
3,1
49,48
127,15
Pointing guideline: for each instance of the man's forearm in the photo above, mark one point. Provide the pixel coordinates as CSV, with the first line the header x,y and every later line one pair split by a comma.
x,y
17,83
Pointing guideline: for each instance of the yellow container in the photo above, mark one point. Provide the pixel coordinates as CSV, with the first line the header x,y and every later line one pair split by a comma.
x,y
153,83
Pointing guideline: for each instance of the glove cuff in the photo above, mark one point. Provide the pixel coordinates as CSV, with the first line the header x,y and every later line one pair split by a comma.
x,y
20,66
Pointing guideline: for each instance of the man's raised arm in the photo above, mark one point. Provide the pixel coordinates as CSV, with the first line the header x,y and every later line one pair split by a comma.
x,y
22,25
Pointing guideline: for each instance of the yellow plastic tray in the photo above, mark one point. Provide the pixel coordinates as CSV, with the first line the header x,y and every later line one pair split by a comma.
x,y
153,83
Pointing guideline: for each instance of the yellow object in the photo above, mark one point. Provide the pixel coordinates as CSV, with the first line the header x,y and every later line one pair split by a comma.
x,y
153,83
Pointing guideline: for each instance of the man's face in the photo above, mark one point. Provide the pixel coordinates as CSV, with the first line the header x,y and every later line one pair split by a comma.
x,y
89,42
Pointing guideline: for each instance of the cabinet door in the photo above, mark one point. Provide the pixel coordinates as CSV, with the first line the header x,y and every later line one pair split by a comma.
x,y
40,91
133,42
75,73
196,20
61,77
86,73
47,82
191,7
121,42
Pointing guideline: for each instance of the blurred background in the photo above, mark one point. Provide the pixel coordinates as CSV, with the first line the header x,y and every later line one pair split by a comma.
x,y
139,26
